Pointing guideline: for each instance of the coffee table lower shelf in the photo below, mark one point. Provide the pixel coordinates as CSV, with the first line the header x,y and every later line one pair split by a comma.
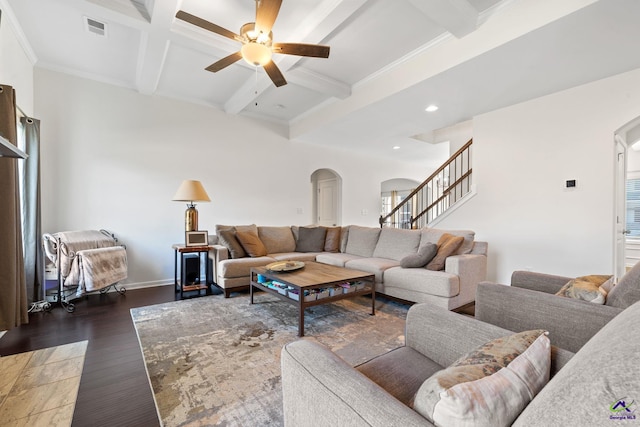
x,y
290,280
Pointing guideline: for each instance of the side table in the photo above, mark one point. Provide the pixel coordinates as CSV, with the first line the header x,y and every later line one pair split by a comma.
x,y
181,285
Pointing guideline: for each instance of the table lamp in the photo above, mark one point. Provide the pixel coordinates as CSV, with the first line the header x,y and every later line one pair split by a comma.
x,y
191,191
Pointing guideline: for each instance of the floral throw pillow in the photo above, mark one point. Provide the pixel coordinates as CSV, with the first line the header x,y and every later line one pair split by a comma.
x,y
489,386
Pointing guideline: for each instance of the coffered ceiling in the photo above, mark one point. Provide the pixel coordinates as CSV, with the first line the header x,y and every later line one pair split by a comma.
x,y
389,59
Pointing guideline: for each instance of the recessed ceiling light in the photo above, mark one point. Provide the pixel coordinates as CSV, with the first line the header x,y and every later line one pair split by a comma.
x,y
396,147
431,108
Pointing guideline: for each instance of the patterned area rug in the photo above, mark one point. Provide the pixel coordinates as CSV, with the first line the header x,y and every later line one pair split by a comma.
x,y
216,361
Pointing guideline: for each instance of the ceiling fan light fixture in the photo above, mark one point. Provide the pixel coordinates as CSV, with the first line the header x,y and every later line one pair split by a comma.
x,y
256,54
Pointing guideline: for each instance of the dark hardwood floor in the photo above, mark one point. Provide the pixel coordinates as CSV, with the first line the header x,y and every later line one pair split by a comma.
x,y
114,389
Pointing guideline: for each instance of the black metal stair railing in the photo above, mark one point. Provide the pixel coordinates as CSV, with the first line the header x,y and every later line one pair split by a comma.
x,y
448,184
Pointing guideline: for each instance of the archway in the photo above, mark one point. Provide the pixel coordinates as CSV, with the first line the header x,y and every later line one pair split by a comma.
x,y
326,191
627,192
392,192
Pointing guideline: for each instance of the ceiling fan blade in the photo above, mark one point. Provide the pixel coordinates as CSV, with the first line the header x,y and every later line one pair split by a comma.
x,y
224,62
266,14
274,73
301,49
210,26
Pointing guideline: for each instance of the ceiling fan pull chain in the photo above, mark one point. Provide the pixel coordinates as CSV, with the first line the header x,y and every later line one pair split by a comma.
x,y
256,92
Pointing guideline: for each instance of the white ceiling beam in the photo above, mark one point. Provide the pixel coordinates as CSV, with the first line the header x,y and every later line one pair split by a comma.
x,y
318,82
327,16
154,45
458,17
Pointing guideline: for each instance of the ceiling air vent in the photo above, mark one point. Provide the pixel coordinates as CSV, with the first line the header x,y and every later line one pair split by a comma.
x,y
95,27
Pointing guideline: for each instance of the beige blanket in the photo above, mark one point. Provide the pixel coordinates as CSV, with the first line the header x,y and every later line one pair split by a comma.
x,y
71,242
99,268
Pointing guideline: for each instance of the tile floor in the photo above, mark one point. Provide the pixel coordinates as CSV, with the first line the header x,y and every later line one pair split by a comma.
x,y
40,388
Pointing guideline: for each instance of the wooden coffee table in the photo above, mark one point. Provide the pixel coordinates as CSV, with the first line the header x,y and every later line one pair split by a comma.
x,y
311,277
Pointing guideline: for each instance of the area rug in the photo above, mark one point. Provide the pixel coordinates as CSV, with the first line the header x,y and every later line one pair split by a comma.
x,y
216,361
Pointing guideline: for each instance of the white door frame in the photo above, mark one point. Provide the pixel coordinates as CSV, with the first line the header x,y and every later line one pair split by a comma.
x,y
323,175
620,211
621,143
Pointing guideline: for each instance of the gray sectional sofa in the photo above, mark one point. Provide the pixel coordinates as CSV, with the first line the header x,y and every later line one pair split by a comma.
x,y
371,249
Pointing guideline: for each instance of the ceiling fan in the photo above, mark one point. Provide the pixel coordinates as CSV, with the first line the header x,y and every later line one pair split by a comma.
x,y
257,41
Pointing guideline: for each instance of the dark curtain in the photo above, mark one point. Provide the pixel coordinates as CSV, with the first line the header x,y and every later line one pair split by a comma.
x,y
31,223
13,290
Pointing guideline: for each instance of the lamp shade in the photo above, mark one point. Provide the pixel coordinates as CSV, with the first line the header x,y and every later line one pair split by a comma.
x,y
191,191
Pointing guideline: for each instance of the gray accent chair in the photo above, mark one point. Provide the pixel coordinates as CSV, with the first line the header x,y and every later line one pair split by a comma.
x,y
321,389
530,303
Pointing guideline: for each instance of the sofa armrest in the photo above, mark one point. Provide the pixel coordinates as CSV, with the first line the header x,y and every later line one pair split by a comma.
x,y
217,253
444,336
570,322
471,270
321,389
538,281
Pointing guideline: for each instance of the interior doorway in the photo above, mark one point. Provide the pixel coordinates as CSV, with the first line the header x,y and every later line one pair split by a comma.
x,y
627,197
326,188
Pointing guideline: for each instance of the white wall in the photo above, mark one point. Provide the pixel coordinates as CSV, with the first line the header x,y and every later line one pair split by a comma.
x,y
16,67
113,158
522,156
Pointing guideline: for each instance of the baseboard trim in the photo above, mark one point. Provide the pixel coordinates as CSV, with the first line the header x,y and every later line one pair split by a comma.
x,y
142,285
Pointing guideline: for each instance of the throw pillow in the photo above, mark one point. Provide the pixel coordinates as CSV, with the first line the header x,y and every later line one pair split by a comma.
x,y
586,288
447,245
251,243
420,259
489,386
229,240
332,241
311,239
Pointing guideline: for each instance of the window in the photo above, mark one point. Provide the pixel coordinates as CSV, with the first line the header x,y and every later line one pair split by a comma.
x,y
633,205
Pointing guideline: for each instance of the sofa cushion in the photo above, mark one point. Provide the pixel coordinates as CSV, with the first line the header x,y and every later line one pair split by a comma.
x,y
335,259
295,256
228,239
375,266
489,386
232,268
332,240
251,244
311,239
586,288
344,236
627,291
400,372
277,239
447,245
362,240
438,283
250,227
425,254
396,243
432,235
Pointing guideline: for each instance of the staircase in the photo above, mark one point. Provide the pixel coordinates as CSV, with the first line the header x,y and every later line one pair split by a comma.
x,y
437,194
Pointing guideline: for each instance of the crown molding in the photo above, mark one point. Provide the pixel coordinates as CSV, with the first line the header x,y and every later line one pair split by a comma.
x,y
10,16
